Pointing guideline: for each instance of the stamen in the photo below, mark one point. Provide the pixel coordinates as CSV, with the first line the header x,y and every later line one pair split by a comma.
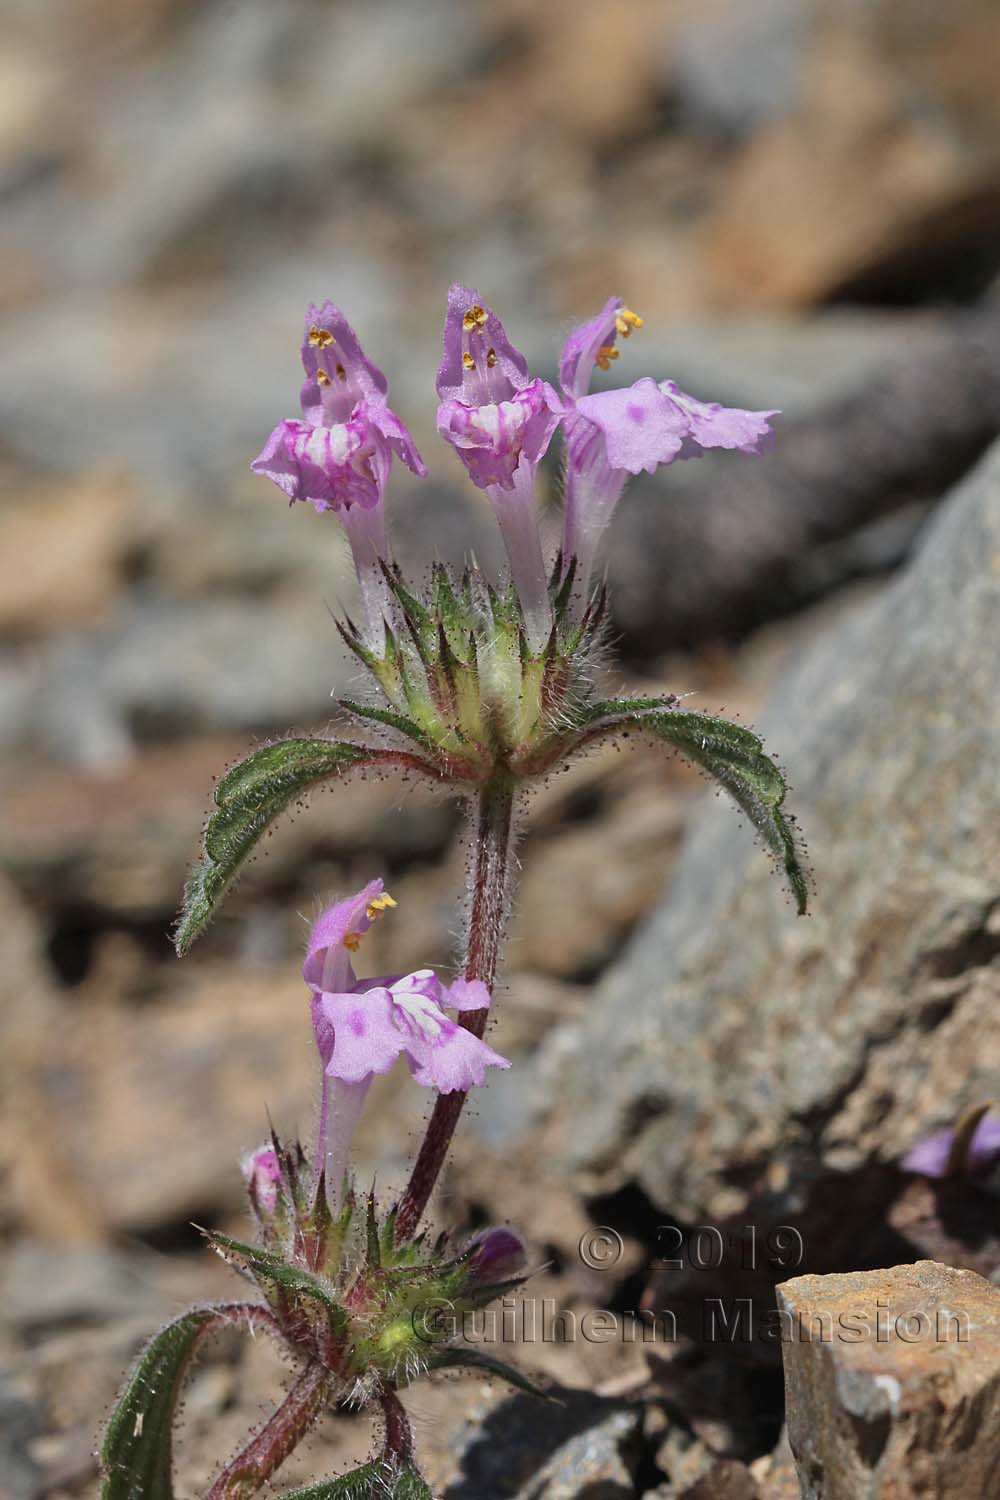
x,y
474,320
352,941
377,905
322,377
626,320
341,372
491,357
468,363
320,338
605,355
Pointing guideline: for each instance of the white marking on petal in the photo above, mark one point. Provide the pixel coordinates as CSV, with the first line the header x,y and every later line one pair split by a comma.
x,y
328,445
419,1012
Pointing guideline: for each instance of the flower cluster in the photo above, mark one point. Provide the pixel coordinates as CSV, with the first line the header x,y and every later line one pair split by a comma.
x,y
478,686
480,676
500,421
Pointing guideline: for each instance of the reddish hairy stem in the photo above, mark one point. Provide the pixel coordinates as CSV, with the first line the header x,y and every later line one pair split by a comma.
x,y
406,761
398,1448
490,870
265,1453
253,1314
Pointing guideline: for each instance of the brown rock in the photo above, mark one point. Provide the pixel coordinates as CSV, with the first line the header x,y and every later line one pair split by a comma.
x,y
62,556
775,1473
727,1479
892,1381
856,192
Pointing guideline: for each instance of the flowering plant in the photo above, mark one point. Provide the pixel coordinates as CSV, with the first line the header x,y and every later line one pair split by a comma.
x,y
481,689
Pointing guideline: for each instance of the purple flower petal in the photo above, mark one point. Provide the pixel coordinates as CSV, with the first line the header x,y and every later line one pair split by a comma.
x,y
713,426
340,377
338,372
366,1039
984,1150
500,422
334,467
340,454
452,1058
262,1171
491,410
583,345
491,439
467,994
930,1156
441,1053
331,937
642,428
495,1254
480,366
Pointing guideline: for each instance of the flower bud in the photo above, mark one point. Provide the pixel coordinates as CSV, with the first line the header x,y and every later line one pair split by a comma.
x,y
265,1185
494,1255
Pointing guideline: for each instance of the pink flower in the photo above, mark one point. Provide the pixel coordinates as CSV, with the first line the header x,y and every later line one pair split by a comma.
x,y
500,422
363,1025
612,434
931,1157
262,1171
338,456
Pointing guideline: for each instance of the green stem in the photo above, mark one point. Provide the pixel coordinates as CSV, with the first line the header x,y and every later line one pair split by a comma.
x,y
487,916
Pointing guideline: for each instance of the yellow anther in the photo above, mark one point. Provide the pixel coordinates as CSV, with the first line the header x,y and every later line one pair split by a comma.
x,y
468,362
491,358
320,338
341,372
377,905
352,941
474,320
605,355
322,377
626,320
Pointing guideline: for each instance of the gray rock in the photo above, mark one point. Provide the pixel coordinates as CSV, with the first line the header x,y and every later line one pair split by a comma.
x,y
736,65
737,1048
20,1476
166,670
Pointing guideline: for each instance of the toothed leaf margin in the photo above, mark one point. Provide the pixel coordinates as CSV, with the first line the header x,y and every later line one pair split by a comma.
x,y
736,758
247,799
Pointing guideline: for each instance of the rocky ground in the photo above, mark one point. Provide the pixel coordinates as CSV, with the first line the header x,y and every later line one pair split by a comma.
x,y
801,199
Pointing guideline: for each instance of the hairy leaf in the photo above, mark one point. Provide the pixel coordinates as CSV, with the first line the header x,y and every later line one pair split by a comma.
x,y
136,1454
247,799
473,1359
736,758
386,716
372,1482
272,1275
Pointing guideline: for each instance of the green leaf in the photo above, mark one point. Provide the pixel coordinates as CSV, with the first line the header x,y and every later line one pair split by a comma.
x,y
736,758
272,1274
473,1359
386,716
373,1480
247,799
136,1454
372,1233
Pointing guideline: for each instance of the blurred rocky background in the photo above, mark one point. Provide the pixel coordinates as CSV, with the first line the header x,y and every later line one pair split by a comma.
x,y
802,198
